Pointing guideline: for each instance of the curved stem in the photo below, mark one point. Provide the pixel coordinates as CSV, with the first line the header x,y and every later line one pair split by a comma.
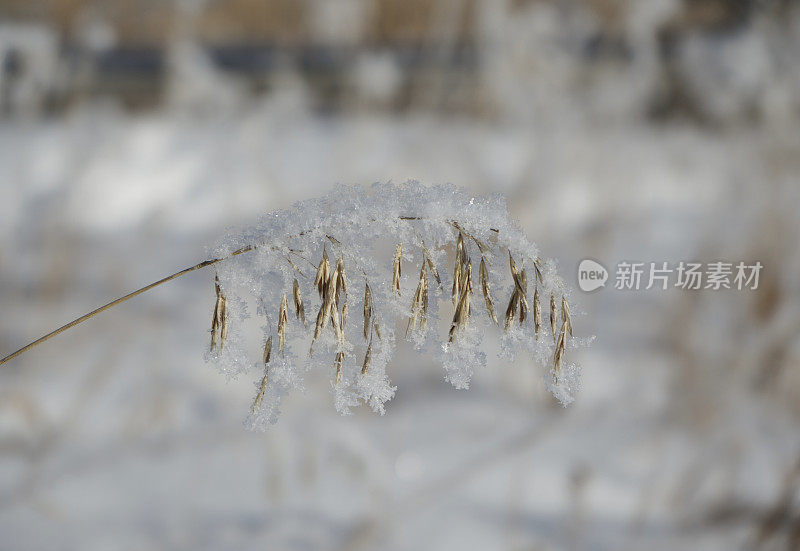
x,y
105,307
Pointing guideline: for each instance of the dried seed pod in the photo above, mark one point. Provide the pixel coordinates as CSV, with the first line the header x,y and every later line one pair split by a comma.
x,y
537,312
299,310
367,358
396,269
487,295
219,319
565,315
553,316
323,272
367,309
283,319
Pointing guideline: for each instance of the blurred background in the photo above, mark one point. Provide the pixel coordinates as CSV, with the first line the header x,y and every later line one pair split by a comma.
x,y
133,133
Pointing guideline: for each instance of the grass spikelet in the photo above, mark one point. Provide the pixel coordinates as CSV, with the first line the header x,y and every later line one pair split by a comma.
x,y
553,316
458,269
537,312
367,309
344,315
431,265
263,386
518,300
419,306
367,358
283,319
337,363
559,353
487,294
565,315
341,281
463,309
299,310
219,320
396,269
323,272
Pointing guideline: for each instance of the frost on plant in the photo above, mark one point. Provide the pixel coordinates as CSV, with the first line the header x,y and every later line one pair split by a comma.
x,y
339,278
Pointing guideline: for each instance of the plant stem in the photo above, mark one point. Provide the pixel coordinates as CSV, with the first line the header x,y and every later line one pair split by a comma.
x,y
93,313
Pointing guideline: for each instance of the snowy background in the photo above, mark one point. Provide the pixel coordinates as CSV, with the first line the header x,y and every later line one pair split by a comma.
x,y
656,130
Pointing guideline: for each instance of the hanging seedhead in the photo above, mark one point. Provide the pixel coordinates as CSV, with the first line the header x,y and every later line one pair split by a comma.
x,y
263,386
553,316
367,358
537,312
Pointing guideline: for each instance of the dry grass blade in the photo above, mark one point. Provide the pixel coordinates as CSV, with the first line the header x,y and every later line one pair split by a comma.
x,y
219,320
487,294
463,309
323,272
367,309
396,269
553,316
367,358
283,319
263,386
299,310
565,315
537,312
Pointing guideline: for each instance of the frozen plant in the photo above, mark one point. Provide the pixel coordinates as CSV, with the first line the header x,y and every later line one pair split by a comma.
x,y
332,276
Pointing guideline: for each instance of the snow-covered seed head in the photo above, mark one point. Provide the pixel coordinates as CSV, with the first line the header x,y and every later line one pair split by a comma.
x,y
448,219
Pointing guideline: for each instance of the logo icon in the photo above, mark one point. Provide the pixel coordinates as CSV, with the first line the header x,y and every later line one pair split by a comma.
x,y
591,275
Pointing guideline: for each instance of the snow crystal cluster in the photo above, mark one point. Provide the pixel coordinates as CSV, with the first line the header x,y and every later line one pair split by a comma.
x,y
358,230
